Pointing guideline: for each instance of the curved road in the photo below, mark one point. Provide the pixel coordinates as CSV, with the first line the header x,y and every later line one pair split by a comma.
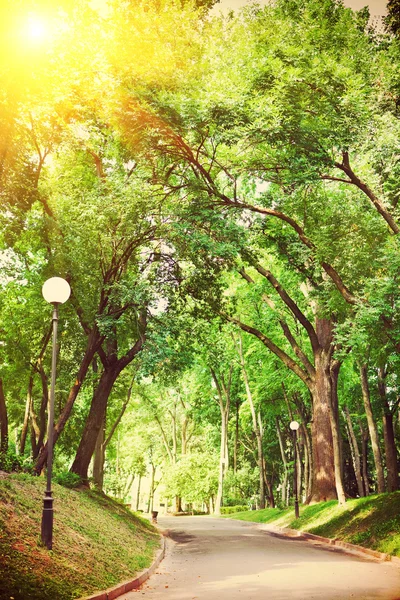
x,y
221,559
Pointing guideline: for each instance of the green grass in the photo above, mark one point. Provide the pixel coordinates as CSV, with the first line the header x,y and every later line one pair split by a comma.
x,y
97,542
372,522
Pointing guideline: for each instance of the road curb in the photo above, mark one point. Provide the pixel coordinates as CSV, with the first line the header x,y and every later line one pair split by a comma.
x,y
130,584
286,531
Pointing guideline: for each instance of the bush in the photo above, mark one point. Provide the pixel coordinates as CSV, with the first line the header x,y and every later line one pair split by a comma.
x,y
228,510
68,479
10,462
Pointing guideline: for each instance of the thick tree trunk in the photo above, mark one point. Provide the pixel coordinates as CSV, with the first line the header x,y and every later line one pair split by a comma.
x,y
94,421
373,432
93,345
327,479
3,421
355,453
112,368
178,504
326,451
99,457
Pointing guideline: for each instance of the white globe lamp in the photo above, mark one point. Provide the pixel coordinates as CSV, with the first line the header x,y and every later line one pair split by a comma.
x,y
56,290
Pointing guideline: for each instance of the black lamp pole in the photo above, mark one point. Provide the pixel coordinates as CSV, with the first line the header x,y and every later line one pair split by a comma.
x,y
47,514
295,490
294,425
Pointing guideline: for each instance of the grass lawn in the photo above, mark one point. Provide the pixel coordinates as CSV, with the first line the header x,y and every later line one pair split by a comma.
x,y
97,542
372,522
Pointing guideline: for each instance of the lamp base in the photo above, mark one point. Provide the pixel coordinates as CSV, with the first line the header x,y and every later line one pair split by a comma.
x,y
47,521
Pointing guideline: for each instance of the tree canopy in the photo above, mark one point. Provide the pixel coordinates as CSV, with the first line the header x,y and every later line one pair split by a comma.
x,y
221,192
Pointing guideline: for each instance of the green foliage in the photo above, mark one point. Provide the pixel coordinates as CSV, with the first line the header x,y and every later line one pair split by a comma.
x,y
392,19
10,462
68,479
150,174
229,510
194,478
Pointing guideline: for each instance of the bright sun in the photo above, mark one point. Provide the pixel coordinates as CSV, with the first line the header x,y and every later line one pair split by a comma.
x,y
36,28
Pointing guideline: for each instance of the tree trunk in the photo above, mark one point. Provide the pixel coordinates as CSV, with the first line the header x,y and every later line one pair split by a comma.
x,y
373,432
129,485
3,421
327,480
236,441
99,457
150,504
93,345
223,390
256,428
388,436
94,421
285,463
364,455
326,456
268,485
390,452
43,408
222,463
336,437
308,468
33,440
355,453
138,493
307,461
25,425
112,368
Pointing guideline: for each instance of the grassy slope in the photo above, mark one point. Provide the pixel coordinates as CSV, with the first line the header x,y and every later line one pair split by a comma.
x,y
372,522
96,542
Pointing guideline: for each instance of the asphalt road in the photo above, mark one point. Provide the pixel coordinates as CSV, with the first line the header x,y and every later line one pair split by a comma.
x,y
220,559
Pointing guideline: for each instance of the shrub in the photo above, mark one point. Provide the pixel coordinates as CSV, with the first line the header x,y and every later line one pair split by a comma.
x,y
68,479
228,510
10,462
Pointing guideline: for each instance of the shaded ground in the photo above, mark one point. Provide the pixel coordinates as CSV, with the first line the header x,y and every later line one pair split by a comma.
x,y
220,559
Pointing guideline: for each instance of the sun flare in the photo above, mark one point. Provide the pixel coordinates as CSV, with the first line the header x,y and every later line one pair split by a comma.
x,y
36,29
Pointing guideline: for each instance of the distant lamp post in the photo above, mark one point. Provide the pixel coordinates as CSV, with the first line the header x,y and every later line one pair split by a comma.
x,y
294,425
55,291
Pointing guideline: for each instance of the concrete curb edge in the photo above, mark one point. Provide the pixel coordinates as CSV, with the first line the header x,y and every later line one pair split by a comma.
x,y
382,556
130,584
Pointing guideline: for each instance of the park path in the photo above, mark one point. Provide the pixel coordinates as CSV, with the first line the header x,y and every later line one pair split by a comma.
x,y
221,559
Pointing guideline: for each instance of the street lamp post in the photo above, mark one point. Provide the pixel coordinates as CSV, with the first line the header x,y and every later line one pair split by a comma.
x,y
294,425
55,291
